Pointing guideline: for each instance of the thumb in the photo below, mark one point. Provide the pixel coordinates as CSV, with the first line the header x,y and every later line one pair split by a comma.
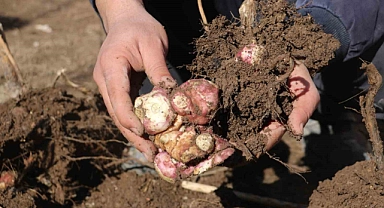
x,y
156,68
307,98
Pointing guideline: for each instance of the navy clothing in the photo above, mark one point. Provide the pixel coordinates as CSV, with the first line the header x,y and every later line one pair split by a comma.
x,y
363,20
357,24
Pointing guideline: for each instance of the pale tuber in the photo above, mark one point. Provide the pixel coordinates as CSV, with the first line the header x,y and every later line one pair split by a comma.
x,y
154,111
177,119
185,144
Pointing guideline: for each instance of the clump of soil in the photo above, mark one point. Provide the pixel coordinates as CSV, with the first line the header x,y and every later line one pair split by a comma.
x,y
254,95
57,146
354,186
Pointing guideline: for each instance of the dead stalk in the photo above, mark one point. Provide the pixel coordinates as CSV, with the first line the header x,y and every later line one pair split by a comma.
x,y
61,73
15,82
202,14
247,13
369,114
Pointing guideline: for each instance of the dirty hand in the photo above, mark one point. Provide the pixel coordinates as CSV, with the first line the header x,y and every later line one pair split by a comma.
x,y
307,98
135,44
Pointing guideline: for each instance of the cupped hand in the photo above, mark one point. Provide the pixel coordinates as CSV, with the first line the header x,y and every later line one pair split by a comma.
x,y
136,44
306,99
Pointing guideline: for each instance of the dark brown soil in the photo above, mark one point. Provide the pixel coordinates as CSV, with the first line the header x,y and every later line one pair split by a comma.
x,y
49,137
354,186
147,191
253,96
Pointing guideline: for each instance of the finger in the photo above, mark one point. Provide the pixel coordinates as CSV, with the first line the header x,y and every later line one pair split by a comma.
x,y
144,146
118,90
274,133
307,98
156,67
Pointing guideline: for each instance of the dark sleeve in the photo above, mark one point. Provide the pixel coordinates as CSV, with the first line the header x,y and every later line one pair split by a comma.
x,y
228,8
93,2
357,24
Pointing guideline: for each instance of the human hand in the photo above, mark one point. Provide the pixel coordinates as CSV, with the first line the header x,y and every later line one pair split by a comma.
x,y
136,44
307,97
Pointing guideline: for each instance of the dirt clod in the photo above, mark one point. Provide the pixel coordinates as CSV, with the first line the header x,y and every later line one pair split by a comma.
x,y
254,95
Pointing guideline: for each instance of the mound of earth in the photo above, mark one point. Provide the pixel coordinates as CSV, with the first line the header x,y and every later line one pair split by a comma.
x,y
56,143
354,186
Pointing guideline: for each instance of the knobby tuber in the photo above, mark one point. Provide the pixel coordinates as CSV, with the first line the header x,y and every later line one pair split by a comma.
x,y
177,120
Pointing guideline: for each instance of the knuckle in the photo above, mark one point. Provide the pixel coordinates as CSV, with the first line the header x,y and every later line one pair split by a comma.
x,y
126,122
105,58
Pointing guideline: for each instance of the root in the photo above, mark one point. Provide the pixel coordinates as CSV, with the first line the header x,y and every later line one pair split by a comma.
x,y
292,169
368,112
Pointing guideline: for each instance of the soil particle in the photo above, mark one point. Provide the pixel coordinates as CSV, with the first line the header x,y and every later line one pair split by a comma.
x,y
10,199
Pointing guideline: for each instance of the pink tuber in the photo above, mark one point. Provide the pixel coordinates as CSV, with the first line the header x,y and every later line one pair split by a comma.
x,y
251,54
178,120
197,100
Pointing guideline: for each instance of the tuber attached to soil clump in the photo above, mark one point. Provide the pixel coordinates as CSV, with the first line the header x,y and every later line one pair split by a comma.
x,y
251,60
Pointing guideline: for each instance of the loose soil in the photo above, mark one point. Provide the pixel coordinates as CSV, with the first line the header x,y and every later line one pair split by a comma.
x,y
354,186
62,149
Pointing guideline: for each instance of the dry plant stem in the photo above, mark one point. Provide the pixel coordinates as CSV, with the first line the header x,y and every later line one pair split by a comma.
x,y
61,73
202,14
10,69
247,13
368,112
270,202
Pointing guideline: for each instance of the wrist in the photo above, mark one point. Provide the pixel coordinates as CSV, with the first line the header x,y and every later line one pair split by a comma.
x,y
112,10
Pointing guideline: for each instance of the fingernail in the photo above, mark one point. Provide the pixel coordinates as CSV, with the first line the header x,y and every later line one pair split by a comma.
x,y
168,82
301,128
